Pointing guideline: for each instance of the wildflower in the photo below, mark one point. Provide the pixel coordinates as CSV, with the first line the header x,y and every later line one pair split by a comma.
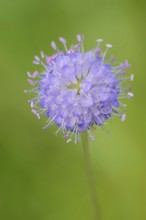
x,y
78,90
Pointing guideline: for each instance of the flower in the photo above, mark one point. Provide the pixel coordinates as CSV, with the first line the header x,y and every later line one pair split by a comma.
x,y
78,90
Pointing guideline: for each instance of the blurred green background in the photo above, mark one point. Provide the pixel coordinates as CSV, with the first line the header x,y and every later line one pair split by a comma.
x,y
42,177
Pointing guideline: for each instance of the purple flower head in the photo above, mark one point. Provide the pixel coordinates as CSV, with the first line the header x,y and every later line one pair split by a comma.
x,y
78,90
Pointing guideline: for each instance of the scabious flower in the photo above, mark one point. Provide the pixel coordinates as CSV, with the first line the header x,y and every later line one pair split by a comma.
x,y
78,90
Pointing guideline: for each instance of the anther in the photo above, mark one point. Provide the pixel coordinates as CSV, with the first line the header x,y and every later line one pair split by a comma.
x,y
36,113
112,58
108,45
99,40
37,58
53,45
62,40
123,117
30,82
92,138
79,38
34,74
36,62
42,54
132,77
130,95
69,140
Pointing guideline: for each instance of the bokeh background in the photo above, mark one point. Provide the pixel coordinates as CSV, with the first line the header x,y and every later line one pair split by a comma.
x,y
42,177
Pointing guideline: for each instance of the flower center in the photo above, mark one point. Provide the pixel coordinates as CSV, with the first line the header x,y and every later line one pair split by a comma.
x,y
76,86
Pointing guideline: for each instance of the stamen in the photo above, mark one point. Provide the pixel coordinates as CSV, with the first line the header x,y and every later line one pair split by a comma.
x,y
35,62
108,46
76,136
37,58
130,95
97,51
69,140
74,47
80,39
63,127
34,74
42,54
36,113
29,75
132,77
75,128
58,130
65,135
31,90
31,82
31,103
53,45
126,64
112,58
63,41
50,122
41,62
91,136
105,129
123,117
99,41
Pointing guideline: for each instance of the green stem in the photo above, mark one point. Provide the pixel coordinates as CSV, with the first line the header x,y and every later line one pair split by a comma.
x,y
85,143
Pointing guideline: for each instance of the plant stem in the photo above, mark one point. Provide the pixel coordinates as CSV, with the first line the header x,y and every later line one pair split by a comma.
x,y
85,143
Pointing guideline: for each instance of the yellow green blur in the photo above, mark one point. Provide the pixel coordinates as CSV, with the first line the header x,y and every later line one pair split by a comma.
x,y
42,177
